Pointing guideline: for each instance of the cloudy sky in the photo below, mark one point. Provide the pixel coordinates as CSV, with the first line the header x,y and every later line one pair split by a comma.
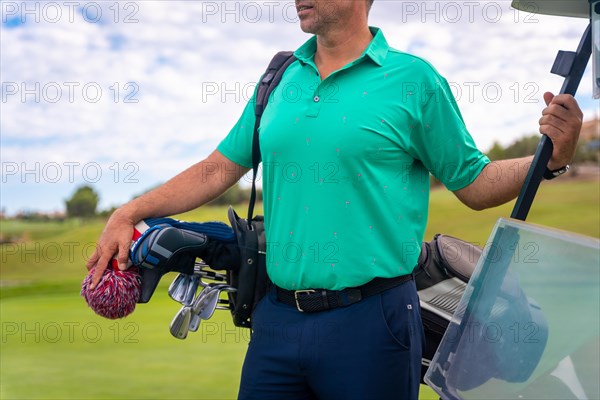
x,y
123,95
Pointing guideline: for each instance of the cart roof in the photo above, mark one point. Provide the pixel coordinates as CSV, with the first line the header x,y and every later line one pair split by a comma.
x,y
565,8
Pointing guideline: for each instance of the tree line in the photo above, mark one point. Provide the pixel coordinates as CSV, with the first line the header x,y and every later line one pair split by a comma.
x,y
84,201
587,151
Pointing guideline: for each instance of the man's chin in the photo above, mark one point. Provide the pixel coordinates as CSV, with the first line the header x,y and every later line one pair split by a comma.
x,y
308,27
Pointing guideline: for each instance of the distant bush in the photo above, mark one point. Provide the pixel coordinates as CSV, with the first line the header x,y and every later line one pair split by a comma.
x,y
83,203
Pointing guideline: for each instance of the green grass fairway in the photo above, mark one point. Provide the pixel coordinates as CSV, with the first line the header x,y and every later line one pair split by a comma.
x,y
53,346
569,205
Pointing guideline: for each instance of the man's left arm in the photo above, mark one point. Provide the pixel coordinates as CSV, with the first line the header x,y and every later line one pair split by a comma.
x,y
500,181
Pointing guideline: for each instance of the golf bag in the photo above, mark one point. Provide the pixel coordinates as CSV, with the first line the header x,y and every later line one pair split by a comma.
x,y
441,276
163,245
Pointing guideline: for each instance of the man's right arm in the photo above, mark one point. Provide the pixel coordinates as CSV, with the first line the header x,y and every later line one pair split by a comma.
x,y
191,188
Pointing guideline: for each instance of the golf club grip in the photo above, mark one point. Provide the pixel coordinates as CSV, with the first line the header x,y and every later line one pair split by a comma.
x,y
544,149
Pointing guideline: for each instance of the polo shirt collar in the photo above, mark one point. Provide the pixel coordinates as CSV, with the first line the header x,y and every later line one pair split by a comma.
x,y
376,50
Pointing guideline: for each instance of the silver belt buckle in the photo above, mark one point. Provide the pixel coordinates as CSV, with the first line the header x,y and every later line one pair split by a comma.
x,y
297,292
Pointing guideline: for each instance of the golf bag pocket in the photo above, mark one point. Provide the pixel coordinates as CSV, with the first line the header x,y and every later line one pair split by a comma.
x,y
250,278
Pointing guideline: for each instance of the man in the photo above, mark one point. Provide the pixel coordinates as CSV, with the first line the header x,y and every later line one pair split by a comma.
x,y
347,142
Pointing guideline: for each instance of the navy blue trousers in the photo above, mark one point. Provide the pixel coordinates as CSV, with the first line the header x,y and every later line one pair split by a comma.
x,y
369,350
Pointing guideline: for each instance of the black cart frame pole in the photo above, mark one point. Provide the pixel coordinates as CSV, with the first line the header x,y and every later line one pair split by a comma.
x,y
570,65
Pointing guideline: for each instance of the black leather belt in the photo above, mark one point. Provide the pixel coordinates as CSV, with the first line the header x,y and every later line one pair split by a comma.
x,y
315,300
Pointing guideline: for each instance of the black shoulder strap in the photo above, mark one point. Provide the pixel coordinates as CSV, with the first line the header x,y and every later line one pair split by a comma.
x,y
269,81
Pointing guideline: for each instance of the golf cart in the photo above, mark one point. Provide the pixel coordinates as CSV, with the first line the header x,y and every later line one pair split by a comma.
x,y
529,327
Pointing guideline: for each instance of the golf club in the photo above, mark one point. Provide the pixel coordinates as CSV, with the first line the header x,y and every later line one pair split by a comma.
x,y
196,307
181,290
214,276
180,323
191,290
213,300
206,304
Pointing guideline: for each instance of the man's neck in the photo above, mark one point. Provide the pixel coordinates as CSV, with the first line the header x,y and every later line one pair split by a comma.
x,y
338,48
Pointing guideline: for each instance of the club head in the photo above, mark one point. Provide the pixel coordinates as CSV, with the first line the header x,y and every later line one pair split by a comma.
x,y
182,290
175,286
191,290
180,325
207,302
194,323
212,299
198,305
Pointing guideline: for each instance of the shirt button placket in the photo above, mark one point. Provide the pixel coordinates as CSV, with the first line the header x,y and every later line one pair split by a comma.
x,y
315,106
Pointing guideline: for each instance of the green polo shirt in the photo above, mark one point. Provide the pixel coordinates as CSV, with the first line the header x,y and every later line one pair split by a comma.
x,y
346,164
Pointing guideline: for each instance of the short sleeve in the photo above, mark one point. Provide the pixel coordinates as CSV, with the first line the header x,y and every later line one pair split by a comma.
x,y
237,145
441,141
